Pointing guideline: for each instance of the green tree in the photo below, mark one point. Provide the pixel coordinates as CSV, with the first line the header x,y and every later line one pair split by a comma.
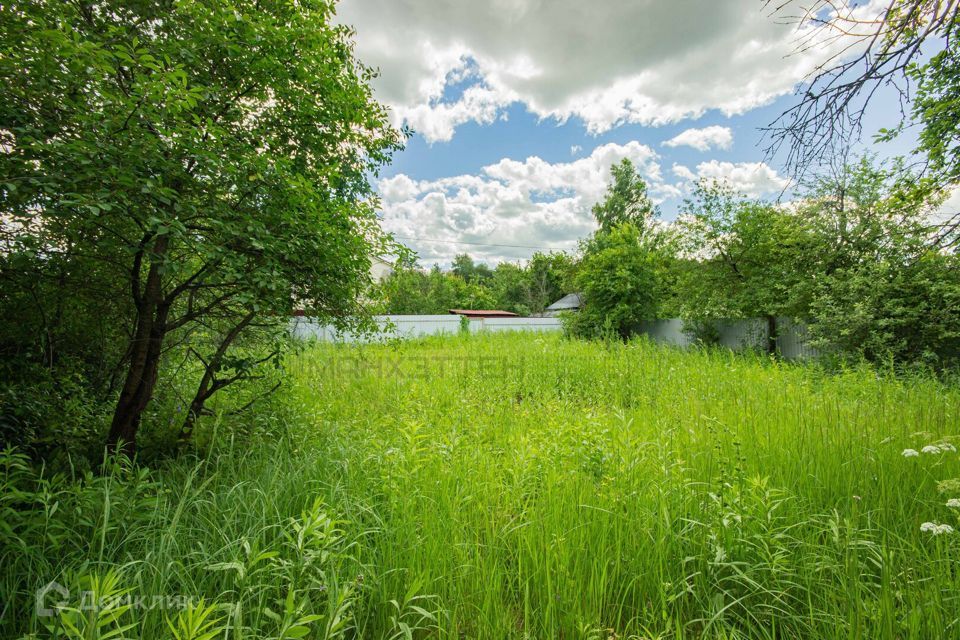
x,y
885,288
936,107
406,291
622,274
471,272
551,276
626,200
892,310
214,157
749,258
511,288
621,280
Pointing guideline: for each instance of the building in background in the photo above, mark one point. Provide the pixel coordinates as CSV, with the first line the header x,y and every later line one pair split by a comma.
x,y
569,302
379,269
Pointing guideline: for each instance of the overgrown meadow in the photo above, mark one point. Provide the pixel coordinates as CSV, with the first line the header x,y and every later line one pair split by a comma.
x,y
516,486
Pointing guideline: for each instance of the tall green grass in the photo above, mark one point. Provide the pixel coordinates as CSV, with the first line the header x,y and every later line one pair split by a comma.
x,y
516,486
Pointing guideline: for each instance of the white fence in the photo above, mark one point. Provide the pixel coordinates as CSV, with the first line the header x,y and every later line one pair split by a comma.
x,y
418,326
792,338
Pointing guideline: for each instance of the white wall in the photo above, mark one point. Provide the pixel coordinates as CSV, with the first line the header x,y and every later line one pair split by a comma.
x,y
734,334
417,326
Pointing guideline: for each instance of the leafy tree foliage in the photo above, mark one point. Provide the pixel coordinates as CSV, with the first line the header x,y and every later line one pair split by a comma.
x,y
620,280
750,258
524,290
626,200
208,160
750,255
883,285
472,273
621,277
892,311
858,258
936,106
550,277
411,290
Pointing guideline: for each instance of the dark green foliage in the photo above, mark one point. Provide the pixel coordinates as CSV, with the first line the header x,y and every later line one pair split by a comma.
x,y
623,276
859,258
750,255
172,169
620,280
472,273
888,311
524,290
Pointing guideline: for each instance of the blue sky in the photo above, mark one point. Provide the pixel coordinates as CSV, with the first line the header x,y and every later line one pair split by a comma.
x,y
520,106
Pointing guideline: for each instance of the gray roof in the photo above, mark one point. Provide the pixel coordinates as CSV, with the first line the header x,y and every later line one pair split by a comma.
x,y
569,301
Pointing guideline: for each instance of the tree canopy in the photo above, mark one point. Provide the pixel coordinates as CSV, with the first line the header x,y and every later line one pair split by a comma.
x,y
211,159
626,200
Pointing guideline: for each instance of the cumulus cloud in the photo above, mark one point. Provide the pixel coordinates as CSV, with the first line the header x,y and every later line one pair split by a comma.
x,y
513,203
620,62
703,139
437,121
683,172
752,178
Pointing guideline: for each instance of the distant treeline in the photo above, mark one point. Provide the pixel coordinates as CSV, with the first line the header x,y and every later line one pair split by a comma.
x,y
862,255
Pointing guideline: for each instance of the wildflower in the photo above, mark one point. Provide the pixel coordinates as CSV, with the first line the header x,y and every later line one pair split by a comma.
x,y
935,529
931,448
953,503
910,453
946,446
951,485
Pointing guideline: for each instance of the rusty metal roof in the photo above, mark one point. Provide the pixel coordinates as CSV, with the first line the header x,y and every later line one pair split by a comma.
x,y
483,313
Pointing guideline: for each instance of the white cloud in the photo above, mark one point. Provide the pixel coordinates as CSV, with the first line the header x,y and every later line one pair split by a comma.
x,y
437,121
683,172
531,202
397,189
703,139
575,149
949,209
752,178
617,62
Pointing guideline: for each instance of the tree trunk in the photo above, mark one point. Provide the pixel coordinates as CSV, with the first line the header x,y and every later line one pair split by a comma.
x,y
208,382
139,383
145,350
772,335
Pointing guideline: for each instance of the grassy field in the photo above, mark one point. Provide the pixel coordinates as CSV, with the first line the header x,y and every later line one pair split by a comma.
x,y
517,486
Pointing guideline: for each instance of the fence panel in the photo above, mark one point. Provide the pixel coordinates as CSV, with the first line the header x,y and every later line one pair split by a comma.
x,y
751,333
668,330
793,340
518,324
390,327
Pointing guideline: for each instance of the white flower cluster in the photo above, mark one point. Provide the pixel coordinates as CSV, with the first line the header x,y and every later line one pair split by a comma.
x,y
936,529
941,447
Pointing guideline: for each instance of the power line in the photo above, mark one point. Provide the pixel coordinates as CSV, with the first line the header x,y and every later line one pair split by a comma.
x,y
480,244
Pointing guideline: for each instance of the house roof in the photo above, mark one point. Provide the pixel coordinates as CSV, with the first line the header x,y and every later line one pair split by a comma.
x,y
569,301
483,313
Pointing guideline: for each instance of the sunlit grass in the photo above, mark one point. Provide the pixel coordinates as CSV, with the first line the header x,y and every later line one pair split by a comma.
x,y
517,486
548,487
